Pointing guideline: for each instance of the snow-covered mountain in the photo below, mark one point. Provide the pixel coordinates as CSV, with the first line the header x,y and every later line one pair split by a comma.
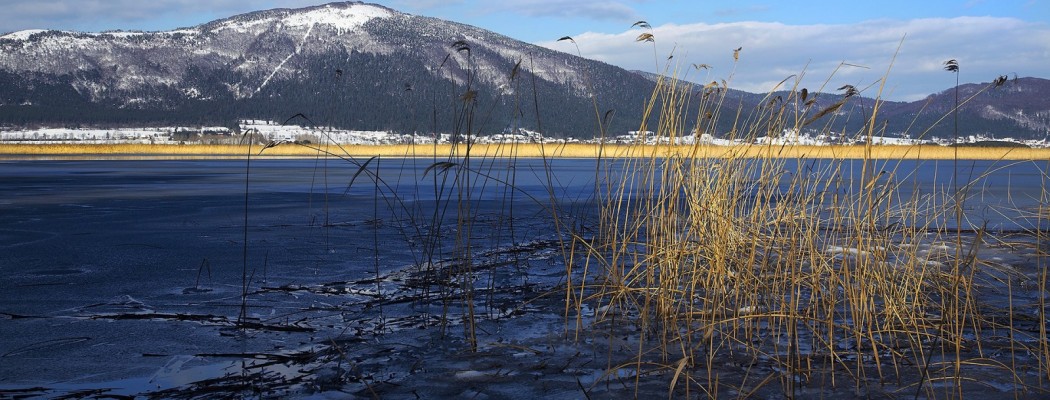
x,y
367,67
268,45
345,64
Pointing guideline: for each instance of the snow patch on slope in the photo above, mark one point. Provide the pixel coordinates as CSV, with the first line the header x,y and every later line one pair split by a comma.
x,y
342,18
298,50
22,35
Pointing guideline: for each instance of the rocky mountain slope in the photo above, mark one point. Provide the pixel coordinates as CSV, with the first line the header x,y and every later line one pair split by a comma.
x,y
342,64
368,67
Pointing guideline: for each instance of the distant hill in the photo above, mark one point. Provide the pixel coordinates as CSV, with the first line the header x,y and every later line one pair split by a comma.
x,y
1018,108
362,66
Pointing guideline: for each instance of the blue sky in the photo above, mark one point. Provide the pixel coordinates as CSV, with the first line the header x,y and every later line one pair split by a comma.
x,y
538,20
826,43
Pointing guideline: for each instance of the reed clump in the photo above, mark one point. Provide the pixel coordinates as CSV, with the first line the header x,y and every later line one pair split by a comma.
x,y
795,271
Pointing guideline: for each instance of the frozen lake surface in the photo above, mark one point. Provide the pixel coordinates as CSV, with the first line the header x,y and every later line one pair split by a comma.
x,y
127,277
128,271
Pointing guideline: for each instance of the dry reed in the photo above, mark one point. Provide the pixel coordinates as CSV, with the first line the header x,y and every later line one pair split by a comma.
x,y
802,275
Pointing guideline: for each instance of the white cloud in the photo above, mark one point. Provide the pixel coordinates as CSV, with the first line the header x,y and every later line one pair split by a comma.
x,y
986,47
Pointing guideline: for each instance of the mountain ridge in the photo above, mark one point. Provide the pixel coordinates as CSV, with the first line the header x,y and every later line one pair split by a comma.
x,y
365,66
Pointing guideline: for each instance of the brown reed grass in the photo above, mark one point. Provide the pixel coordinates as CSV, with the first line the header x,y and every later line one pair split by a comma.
x,y
708,254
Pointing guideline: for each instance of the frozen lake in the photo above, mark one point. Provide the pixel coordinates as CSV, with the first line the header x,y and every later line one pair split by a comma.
x,y
132,275
88,244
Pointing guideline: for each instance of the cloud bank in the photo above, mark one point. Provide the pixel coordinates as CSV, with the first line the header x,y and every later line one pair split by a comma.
x,y
832,55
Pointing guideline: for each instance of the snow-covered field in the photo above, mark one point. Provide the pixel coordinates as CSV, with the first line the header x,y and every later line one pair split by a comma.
x,y
276,132
222,135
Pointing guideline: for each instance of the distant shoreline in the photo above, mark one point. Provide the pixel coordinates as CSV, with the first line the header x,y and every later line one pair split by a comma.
x,y
530,150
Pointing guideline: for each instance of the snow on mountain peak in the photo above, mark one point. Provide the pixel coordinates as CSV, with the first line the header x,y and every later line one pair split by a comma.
x,y
22,35
342,18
